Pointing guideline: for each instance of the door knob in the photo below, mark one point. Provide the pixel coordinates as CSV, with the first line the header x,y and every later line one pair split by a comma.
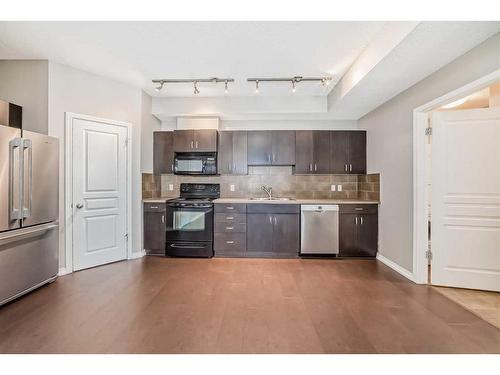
x,y
79,205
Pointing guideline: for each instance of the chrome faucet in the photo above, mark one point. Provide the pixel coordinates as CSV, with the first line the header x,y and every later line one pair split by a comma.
x,y
268,190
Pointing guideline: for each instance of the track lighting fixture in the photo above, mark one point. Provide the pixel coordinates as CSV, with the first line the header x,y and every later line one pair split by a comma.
x,y
325,81
161,82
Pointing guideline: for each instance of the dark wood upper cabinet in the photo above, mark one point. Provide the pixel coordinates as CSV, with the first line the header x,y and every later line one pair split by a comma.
x,y
312,152
348,152
304,151
183,140
232,154
203,140
260,145
271,147
163,152
283,147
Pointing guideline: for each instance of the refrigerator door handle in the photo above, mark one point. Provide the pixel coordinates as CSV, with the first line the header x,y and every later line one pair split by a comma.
x,y
15,176
20,234
27,145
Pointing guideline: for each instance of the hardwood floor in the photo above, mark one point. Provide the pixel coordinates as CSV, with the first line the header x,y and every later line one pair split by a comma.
x,y
161,305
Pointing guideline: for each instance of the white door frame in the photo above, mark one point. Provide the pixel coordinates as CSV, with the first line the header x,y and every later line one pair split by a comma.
x,y
68,182
420,207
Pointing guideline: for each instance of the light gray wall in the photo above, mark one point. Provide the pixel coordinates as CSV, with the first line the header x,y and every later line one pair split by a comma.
x,y
390,143
25,83
149,124
73,90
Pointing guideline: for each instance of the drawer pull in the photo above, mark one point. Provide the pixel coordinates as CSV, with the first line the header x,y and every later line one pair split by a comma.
x,y
229,217
230,207
359,208
230,242
229,228
153,206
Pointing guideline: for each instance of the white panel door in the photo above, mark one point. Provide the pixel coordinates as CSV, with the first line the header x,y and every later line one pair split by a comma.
x,y
466,199
99,193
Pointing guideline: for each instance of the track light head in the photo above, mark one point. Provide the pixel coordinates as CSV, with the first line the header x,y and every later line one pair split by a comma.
x,y
196,91
257,87
293,86
225,87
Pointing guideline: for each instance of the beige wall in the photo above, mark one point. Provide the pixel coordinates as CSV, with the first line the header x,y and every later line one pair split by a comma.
x,y
149,124
389,144
73,90
25,83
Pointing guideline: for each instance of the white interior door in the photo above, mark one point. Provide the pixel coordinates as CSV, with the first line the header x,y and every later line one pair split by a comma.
x,y
99,193
466,199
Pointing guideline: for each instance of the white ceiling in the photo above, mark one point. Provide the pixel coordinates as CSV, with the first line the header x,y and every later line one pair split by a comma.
x,y
137,52
381,59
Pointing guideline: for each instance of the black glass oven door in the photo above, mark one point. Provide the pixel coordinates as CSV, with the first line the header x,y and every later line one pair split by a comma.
x,y
189,223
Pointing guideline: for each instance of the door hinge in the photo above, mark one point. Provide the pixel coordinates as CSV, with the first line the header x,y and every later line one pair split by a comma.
x,y
428,254
428,131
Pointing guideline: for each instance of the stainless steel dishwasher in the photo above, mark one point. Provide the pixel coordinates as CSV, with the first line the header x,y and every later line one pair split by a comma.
x,y
319,229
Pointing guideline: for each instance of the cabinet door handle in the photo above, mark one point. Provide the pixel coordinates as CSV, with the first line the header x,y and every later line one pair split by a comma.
x,y
356,220
274,157
229,167
361,218
271,220
350,167
196,144
229,228
269,158
315,167
275,220
172,167
230,242
163,218
310,167
192,144
345,167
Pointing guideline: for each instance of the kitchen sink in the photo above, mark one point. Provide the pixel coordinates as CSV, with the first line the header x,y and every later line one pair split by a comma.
x,y
272,199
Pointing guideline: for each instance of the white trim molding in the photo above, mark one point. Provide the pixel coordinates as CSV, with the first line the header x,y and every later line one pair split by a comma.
x,y
62,271
137,255
68,187
396,267
420,204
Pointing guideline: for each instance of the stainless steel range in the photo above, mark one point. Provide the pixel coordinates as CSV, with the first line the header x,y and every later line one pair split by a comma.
x,y
189,221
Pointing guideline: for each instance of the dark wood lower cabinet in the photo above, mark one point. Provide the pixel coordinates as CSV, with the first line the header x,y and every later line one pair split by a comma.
x,y
286,238
154,229
358,233
259,234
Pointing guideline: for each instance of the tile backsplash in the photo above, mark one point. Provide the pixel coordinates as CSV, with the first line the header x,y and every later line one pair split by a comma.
x,y
283,182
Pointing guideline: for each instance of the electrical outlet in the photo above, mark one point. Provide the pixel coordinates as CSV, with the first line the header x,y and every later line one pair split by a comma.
x,y
231,187
171,187
339,187
332,187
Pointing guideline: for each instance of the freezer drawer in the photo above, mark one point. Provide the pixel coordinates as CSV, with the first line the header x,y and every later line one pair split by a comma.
x,y
319,229
28,259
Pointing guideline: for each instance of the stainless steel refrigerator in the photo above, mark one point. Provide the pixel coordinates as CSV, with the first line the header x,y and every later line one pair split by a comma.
x,y
29,198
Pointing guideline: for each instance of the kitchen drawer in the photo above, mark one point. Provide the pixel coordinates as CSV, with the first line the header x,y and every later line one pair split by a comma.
x,y
358,208
269,208
230,218
231,208
230,227
235,243
154,207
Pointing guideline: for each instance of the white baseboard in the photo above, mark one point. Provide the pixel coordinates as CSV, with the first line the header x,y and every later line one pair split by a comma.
x,y
63,271
396,267
137,255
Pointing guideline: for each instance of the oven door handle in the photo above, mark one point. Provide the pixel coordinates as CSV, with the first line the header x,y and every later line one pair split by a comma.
x,y
176,205
187,246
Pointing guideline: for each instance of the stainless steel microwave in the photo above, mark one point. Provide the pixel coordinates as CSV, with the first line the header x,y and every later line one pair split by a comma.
x,y
195,163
